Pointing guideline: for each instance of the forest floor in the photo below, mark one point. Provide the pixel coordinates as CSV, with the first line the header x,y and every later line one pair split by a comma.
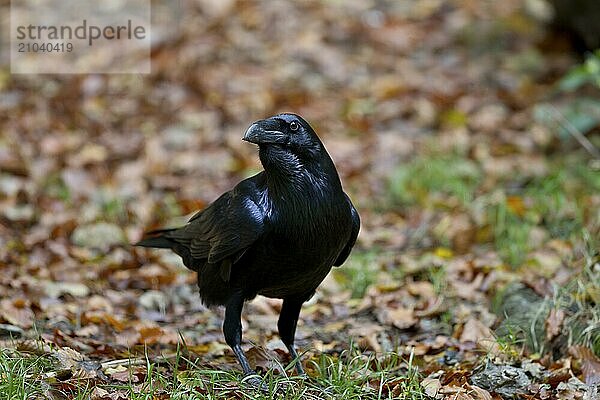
x,y
476,274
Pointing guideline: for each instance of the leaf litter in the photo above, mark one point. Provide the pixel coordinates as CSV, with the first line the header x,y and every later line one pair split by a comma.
x,y
427,109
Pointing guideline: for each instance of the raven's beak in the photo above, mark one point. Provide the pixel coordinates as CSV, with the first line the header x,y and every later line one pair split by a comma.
x,y
263,132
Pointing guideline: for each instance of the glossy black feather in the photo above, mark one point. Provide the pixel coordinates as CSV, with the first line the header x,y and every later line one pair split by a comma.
x,y
277,233
353,235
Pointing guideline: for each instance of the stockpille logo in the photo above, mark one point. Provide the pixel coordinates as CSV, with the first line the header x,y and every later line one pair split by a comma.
x,y
80,36
84,31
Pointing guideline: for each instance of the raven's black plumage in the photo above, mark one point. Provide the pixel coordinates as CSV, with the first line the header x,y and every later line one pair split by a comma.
x,y
276,234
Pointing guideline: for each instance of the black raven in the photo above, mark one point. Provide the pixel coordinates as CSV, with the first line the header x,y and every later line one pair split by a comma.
x,y
277,233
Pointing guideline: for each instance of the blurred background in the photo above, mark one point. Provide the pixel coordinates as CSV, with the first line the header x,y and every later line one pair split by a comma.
x,y
466,133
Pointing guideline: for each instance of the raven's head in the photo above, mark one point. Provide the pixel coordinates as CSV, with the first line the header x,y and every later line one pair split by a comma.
x,y
285,133
291,152
289,148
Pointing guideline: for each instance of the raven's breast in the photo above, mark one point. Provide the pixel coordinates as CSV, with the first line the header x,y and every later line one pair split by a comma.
x,y
293,261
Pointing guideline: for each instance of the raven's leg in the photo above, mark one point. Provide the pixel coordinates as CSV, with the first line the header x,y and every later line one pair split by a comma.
x,y
232,329
288,319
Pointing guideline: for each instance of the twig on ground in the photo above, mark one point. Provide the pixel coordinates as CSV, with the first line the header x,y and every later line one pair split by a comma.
x,y
573,131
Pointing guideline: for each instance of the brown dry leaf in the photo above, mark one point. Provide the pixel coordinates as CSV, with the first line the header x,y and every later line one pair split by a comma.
x,y
75,362
128,337
150,334
475,331
559,376
156,275
421,288
97,317
156,334
88,331
68,358
548,262
39,347
453,390
435,306
480,394
122,374
11,161
468,290
99,303
458,396
431,386
554,323
460,229
212,347
56,289
543,391
370,342
335,326
99,394
17,312
90,153
461,396
422,348
455,378
266,306
590,364
401,318
367,334
264,359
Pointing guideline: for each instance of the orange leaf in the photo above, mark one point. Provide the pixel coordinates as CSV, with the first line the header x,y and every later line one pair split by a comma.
x,y
516,205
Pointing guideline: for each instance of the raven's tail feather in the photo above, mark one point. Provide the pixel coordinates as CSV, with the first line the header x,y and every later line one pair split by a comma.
x,y
157,239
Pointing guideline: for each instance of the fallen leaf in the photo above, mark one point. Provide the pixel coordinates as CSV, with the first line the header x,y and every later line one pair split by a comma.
x,y
128,337
264,359
122,374
400,317
554,323
453,390
423,289
17,312
57,289
101,236
68,357
444,252
590,364
90,153
434,306
516,205
475,331
480,394
431,386
88,331
99,394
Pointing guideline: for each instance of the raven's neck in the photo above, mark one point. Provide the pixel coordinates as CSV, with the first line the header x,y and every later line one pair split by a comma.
x,y
292,183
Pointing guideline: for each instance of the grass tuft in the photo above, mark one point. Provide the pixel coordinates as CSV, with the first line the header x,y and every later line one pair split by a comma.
x,y
351,374
358,273
429,181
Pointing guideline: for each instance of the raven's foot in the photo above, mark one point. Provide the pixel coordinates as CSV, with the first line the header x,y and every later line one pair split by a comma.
x,y
300,370
253,381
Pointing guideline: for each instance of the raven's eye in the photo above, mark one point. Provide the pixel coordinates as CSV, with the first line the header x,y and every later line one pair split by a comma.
x,y
294,126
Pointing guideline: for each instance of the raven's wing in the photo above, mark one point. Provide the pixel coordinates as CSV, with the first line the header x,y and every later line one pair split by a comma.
x,y
353,235
223,231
